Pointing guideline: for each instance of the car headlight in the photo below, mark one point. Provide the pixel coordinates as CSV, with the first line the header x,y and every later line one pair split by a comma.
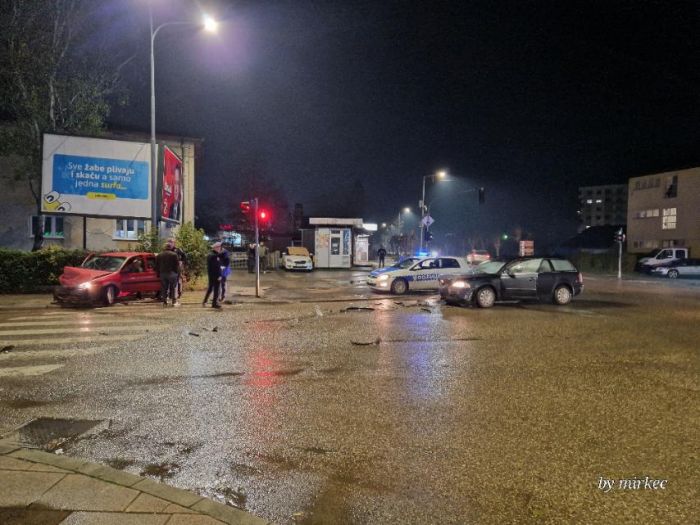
x,y
460,284
85,286
383,278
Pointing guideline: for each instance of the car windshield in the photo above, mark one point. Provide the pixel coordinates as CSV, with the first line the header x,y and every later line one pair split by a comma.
x,y
492,267
107,263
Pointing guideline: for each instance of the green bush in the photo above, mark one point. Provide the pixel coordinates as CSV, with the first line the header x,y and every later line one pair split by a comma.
x,y
192,242
604,262
26,272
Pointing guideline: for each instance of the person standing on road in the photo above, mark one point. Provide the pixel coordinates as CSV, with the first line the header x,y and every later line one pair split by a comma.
x,y
214,275
182,264
251,258
262,253
167,265
225,259
381,253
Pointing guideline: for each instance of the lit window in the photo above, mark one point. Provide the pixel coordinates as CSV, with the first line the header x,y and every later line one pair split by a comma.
x,y
53,226
668,220
129,229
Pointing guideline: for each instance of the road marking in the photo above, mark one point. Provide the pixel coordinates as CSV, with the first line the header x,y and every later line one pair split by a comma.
x,y
43,354
72,340
83,329
90,322
28,370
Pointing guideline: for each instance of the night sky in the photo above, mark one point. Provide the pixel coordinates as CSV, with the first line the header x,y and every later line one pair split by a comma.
x,y
528,99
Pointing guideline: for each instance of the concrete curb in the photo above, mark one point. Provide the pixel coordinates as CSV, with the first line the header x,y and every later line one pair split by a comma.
x,y
144,497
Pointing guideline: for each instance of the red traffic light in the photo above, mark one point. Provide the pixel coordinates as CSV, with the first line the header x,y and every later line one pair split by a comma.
x,y
245,207
264,215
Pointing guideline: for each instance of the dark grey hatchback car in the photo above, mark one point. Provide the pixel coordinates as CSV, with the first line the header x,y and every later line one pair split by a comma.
x,y
547,279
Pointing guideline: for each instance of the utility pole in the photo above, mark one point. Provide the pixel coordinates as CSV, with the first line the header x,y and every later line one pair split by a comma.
x,y
257,249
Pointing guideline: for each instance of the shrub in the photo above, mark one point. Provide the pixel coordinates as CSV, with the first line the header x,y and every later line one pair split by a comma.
x,y
26,272
192,242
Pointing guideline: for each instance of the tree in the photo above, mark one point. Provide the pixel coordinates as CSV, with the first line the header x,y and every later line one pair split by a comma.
x,y
52,80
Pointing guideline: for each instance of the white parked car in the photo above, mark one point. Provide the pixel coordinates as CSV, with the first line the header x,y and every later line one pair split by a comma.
x,y
423,275
676,269
297,258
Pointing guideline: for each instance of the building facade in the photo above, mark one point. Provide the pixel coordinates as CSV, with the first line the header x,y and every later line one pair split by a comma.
x,y
664,211
602,205
91,233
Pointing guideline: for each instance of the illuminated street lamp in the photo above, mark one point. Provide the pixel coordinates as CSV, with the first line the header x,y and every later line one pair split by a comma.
x,y
437,176
210,25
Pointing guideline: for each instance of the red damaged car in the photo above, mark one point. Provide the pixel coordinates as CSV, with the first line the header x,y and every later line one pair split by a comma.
x,y
107,277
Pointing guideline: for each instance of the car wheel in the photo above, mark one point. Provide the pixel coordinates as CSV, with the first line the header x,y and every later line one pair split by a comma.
x,y
399,286
562,295
485,297
109,295
673,274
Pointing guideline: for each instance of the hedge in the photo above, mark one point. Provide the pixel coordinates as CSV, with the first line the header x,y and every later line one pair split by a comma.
x,y
27,272
603,262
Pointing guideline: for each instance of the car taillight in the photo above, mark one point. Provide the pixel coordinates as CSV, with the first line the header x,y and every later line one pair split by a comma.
x,y
579,278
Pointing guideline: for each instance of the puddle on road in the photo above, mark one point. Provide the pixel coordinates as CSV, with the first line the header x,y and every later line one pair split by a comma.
x,y
162,471
50,434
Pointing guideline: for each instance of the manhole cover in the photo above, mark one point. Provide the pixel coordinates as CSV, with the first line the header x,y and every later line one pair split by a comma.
x,y
49,433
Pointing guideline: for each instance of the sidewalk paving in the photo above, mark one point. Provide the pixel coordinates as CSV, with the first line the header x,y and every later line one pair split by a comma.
x,y
40,488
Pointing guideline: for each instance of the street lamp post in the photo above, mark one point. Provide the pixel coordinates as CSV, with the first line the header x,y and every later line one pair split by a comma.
x,y
440,175
209,25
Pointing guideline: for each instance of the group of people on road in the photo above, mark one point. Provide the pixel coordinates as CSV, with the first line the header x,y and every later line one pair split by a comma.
x,y
170,268
218,269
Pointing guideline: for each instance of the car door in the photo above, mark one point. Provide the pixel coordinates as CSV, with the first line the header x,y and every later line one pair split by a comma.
x,y
546,280
449,266
424,275
131,275
151,281
519,279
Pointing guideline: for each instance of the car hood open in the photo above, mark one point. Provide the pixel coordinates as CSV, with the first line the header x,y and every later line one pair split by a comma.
x,y
74,275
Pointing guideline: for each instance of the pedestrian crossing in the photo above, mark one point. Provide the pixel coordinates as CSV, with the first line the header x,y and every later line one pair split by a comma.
x,y
32,345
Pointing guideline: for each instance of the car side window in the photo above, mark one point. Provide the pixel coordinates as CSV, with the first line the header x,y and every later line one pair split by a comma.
x,y
150,263
666,254
529,266
562,265
545,267
425,265
449,263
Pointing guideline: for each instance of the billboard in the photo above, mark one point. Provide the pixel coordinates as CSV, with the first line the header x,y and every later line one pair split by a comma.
x,y
171,195
95,177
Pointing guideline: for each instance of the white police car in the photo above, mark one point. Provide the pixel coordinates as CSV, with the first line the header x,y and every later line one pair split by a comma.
x,y
416,275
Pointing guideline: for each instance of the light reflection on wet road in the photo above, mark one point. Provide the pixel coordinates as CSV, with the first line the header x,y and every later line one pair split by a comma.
x,y
404,414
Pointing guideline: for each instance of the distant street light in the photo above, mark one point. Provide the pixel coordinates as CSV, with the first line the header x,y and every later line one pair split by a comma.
x,y
440,175
210,25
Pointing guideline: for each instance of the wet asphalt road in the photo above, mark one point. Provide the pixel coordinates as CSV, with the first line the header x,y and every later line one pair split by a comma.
x,y
302,412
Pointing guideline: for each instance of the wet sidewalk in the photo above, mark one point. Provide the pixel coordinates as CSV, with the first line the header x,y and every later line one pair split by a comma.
x,y
41,488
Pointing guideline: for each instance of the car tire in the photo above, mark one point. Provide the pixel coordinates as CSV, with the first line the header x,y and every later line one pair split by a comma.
x,y
562,295
109,295
485,297
399,286
673,274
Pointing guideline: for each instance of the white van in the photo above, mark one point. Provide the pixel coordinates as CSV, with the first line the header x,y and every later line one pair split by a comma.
x,y
662,256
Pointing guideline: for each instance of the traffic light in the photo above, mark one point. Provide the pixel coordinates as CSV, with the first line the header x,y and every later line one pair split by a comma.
x,y
620,236
428,236
482,196
263,215
245,207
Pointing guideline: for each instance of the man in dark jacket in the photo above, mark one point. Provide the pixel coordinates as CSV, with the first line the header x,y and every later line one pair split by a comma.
x,y
225,259
214,275
381,253
167,267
